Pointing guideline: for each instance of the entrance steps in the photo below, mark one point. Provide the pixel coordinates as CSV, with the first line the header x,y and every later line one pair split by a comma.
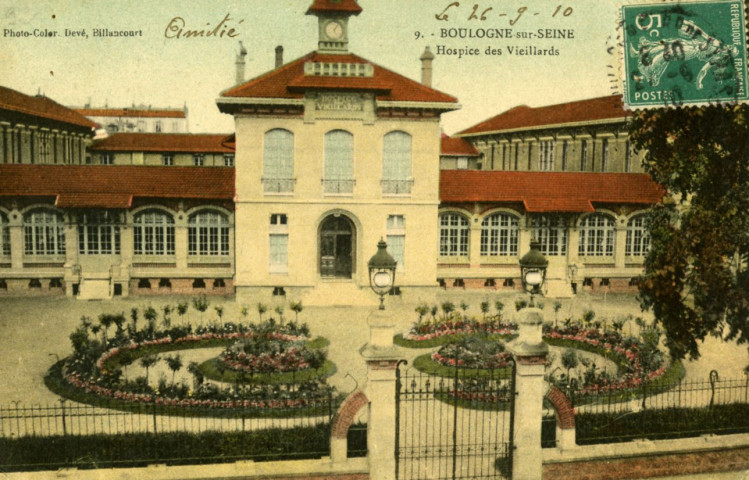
x,y
95,287
340,293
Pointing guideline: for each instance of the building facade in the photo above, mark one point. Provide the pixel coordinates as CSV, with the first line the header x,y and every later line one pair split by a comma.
x,y
333,153
39,130
564,175
137,119
164,149
95,231
582,136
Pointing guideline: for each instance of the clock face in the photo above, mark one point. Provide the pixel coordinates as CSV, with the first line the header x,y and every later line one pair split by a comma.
x,y
334,30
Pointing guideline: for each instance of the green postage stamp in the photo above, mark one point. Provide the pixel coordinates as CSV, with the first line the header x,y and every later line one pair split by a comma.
x,y
684,53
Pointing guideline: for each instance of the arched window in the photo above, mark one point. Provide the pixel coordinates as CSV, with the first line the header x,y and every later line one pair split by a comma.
x,y
4,236
278,161
208,234
499,235
638,239
153,233
43,233
396,163
98,233
339,162
453,235
551,232
596,236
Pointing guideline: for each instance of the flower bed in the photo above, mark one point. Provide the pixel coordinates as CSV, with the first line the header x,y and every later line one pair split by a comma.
x,y
473,352
639,360
94,372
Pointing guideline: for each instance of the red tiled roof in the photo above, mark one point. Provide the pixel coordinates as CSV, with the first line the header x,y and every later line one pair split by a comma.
x,y
457,147
346,6
114,186
163,142
40,106
528,117
548,191
131,112
289,82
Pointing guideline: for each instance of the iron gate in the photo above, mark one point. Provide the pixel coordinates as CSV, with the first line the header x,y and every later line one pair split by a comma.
x,y
457,427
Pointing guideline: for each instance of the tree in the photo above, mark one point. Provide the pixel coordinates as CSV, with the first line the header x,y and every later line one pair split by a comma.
x,y
696,279
297,308
174,363
147,362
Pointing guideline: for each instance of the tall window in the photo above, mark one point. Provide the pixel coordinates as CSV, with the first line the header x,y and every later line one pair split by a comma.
x,y
153,233
98,234
628,152
208,234
278,161
596,236
339,162
106,159
198,159
583,155
517,154
279,243
396,239
499,235
565,147
638,240
158,126
167,159
453,235
605,155
504,155
44,147
546,155
396,163
44,233
551,232
4,236
228,159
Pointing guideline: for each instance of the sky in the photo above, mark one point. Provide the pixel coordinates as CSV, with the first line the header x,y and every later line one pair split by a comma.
x,y
173,72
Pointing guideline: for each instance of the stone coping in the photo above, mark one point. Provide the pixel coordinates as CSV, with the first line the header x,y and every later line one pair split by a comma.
x,y
318,468
638,448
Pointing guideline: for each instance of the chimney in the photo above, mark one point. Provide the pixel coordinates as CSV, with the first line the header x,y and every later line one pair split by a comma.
x,y
279,56
426,67
240,63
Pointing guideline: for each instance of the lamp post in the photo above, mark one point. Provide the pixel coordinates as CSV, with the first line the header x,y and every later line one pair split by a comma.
x,y
533,270
382,272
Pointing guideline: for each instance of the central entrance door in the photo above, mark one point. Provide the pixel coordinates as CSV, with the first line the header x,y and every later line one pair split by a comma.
x,y
336,247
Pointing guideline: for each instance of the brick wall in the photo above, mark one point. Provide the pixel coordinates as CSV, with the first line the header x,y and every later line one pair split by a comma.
x,y
727,460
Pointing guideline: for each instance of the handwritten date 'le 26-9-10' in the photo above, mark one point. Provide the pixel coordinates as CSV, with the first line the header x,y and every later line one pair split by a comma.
x,y
481,13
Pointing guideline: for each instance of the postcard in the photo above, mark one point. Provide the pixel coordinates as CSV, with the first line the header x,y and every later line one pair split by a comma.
x,y
379,80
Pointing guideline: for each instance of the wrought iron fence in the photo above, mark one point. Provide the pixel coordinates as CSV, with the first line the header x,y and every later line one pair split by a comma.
x,y
278,185
68,434
338,185
690,408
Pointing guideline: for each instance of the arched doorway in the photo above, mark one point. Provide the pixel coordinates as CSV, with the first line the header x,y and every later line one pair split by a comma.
x,y
337,234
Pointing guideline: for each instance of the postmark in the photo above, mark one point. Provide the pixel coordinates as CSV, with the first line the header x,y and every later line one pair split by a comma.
x,y
685,53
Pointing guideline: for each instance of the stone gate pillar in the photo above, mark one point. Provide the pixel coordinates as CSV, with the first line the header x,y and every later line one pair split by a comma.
x,y
530,352
382,359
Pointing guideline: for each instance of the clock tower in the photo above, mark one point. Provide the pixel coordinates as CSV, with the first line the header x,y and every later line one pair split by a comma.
x,y
332,17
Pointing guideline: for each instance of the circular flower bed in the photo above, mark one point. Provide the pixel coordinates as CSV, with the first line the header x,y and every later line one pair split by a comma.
x,y
94,372
639,360
260,354
473,352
